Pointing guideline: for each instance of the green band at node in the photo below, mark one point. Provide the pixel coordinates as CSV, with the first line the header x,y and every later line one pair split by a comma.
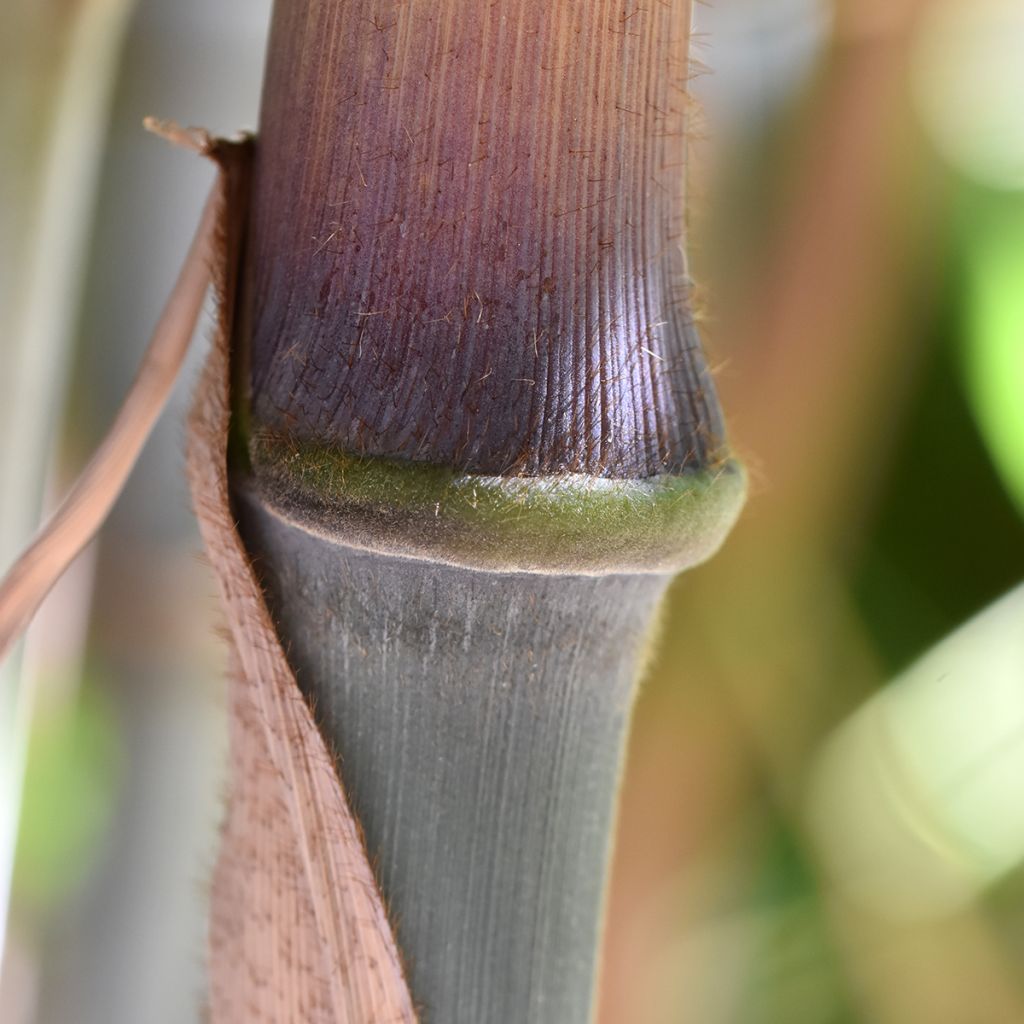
x,y
566,524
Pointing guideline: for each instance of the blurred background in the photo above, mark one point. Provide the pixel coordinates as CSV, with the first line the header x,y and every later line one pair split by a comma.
x,y
822,818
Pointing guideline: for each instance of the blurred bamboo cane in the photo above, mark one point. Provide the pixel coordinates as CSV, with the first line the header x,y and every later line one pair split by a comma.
x,y
57,62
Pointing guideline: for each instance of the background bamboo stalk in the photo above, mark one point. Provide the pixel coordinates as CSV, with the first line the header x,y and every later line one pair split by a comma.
x,y
103,890
58,63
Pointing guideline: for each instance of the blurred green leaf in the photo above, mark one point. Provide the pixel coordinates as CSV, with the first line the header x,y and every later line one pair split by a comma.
x,y
994,336
796,972
946,540
73,766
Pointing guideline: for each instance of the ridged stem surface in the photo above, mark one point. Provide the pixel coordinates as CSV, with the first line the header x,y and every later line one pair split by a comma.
x,y
467,236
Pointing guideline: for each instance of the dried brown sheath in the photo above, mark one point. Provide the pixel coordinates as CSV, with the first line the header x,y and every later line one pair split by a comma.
x,y
298,930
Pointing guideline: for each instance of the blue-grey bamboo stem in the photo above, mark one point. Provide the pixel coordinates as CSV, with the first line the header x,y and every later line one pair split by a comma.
x,y
479,720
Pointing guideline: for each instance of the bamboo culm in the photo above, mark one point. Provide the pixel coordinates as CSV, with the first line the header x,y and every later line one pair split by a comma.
x,y
475,438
